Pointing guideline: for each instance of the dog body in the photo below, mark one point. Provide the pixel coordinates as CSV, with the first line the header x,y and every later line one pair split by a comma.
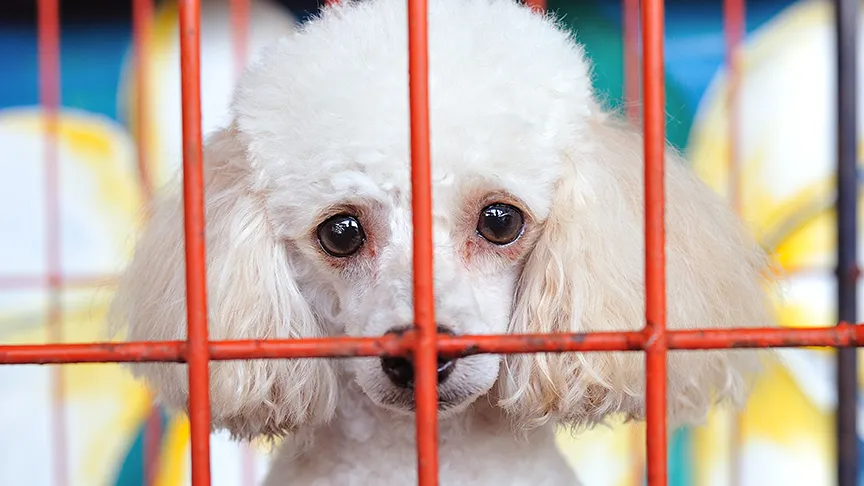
x,y
537,221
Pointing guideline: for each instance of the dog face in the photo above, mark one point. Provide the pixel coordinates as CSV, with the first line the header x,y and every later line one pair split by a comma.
x,y
354,248
537,219
348,229
341,199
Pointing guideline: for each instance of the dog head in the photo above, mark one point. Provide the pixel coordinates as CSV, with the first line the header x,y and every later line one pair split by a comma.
x,y
537,219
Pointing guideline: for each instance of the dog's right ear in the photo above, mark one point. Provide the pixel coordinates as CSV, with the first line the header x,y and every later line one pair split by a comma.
x,y
252,294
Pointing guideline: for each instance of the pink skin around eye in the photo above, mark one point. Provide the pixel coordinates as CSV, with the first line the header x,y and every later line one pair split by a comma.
x,y
469,250
475,247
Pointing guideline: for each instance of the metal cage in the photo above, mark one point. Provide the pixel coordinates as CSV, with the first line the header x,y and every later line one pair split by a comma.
x,y
423,342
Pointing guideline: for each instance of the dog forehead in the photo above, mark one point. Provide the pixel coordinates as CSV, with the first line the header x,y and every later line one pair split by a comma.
x,y
303,193
326,110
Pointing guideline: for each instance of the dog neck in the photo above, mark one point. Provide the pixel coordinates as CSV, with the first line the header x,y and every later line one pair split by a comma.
x,y
360,421
362,434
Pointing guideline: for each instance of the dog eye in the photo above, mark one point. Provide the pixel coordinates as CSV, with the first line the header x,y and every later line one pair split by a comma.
x,y
500,224
341,235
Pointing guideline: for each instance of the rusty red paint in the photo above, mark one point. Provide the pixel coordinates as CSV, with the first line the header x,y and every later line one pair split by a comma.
x,y
48,20
843,335
198,358
655,240
425,350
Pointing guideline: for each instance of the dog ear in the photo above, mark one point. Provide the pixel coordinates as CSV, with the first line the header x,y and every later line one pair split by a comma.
x,y
586,274
252,294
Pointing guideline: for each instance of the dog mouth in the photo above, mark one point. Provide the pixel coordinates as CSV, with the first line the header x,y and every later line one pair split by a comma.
x,y
450,396
403,400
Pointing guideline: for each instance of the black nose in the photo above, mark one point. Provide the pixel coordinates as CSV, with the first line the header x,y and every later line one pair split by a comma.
x,y
400,371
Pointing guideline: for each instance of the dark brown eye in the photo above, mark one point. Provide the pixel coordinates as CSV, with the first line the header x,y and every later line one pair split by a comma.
x,y
500,224
341,235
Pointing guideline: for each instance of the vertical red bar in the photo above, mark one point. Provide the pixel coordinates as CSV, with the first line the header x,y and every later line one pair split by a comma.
x,y
655,258
630,21
425,353
152,432
49,97
536,5
240,11
630,28
733,29
193,197
142,27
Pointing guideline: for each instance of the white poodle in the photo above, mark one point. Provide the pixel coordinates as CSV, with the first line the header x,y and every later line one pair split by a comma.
x,y
538,229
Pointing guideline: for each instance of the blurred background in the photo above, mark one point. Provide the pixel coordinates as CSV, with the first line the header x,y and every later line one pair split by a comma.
x,y
92,425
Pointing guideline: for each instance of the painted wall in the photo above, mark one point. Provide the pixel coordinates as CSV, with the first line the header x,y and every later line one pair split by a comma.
x,y
787,137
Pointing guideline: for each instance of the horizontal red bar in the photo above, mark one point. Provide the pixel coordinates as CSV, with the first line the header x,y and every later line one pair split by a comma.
x,y
843,335
31,282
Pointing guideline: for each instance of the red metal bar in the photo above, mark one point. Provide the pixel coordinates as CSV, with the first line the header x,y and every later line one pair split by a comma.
x,y
630,21
49,97
27,282
630,28
425,352
152,431
655,256
536,5
196,279
733,27
142,28
240,32
841,336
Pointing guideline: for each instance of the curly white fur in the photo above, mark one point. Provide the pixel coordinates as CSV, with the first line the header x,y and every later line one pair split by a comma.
x,y
321,126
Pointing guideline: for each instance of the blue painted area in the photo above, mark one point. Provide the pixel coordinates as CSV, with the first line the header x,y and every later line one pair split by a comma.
x,y
91,60
694,43
92,54
681,458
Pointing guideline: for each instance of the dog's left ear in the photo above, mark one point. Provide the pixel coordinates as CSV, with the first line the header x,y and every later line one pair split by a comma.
x,y
586,274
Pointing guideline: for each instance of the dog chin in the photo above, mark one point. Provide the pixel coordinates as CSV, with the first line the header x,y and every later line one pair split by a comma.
x,y
402,402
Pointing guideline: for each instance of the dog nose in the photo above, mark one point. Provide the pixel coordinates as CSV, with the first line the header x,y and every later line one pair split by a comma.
x,y
400,371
